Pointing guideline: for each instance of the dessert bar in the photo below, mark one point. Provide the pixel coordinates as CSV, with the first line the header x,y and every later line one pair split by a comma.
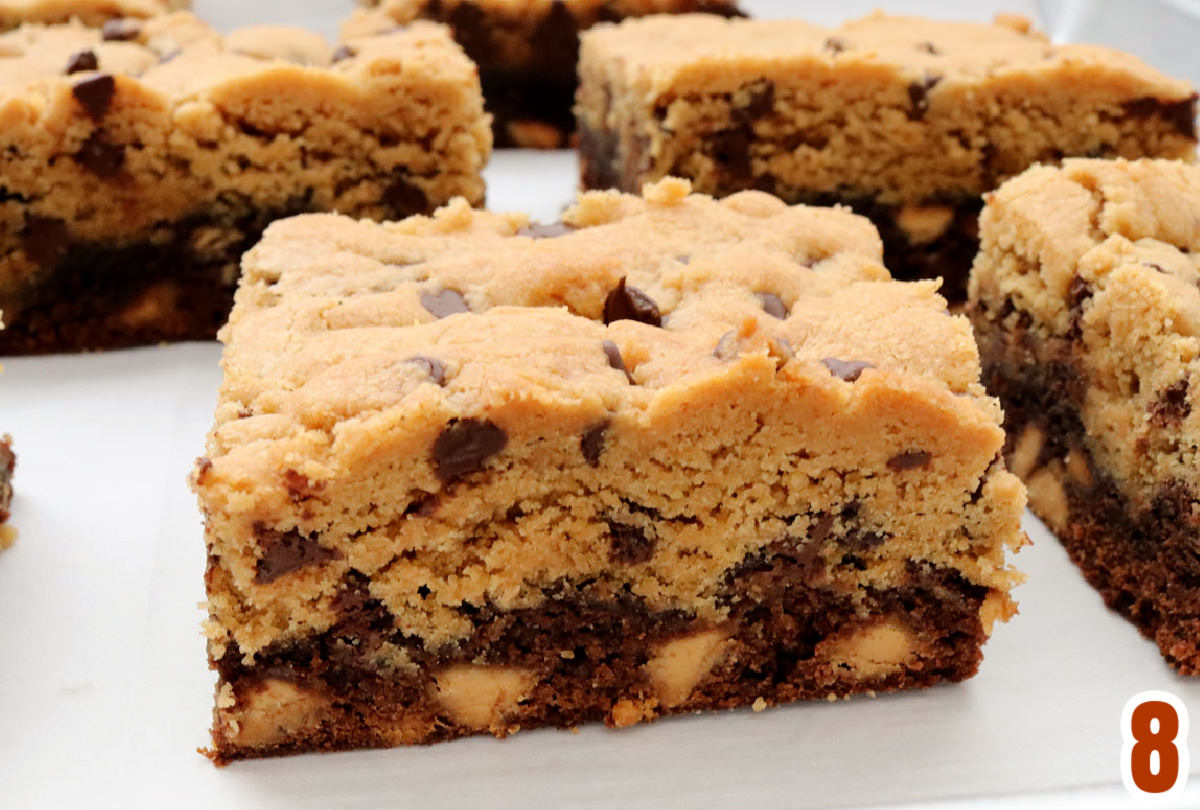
x,y
527,52
1085,299
906,120
139,168
471,475
118,15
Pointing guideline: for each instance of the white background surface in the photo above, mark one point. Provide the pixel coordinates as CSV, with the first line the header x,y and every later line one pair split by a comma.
x,y
105,693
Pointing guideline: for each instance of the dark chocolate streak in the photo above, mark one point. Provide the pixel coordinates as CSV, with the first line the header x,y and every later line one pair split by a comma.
x,y
1144,559
589,649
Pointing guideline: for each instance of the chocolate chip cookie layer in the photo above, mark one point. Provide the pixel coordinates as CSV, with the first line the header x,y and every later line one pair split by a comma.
x,y
1085,299
527,52
117,15
139,168
471,476
906,120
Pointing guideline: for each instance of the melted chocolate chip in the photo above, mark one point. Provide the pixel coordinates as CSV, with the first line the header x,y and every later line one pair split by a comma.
x,y
404,197
45,240
445,303
537,230
683,258
424,506
95,94
928,47
629,545
434,368
343,53
1079,292
760,102
1181,115
834,45
911,460
728,346
820,529
613,353
1154,266
630,304
464,445
100,157
772,304
285,552
918,97
848,370
84,60
592,443
1172,406
121,30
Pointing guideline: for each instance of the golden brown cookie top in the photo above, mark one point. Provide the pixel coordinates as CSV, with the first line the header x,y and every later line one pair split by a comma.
x,y
14,13
667,52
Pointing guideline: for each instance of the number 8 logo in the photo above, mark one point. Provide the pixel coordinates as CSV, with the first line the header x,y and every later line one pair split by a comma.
x,y
1154,757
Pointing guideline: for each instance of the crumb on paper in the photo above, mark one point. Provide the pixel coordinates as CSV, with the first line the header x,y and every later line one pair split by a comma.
x,y
759,705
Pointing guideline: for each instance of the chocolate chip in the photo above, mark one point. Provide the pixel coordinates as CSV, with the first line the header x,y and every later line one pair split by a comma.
x,y
1172,406
299,486
169,57
820,528
683,258
864,541
464,445
629,545
848,370
630,304
1154,266
84,60
435,369
445,303
1181,115
918,97
911,460
772,304
728,346
760,101
928,47
100,157
592,443
613,353
537,230
285,552
121,30
95,94
424,506
404,197
343,53
834,45
45,240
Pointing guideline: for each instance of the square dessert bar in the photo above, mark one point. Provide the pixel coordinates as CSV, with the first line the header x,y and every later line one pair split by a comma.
x,y
139,168
469,475
906,120
1085,300
527,52
96,13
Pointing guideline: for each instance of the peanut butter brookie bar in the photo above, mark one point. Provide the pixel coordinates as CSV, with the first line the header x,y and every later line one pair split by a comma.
x,y
907,120
138,168
1086,303
117,15
527,51
675,454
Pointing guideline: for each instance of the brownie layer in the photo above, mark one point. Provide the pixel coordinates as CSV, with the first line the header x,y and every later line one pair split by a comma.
x,y
788,637
176,284
1143,558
